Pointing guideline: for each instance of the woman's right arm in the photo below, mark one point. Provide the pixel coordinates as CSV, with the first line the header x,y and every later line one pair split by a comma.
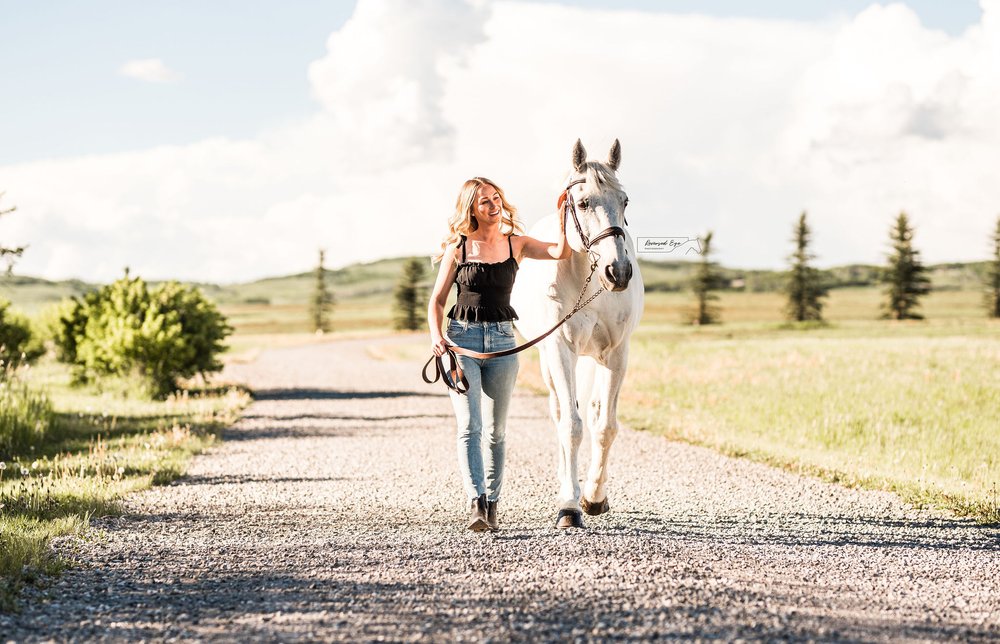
x,y
439,296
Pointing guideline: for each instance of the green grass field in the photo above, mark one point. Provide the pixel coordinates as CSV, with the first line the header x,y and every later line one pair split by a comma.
x,y
912,408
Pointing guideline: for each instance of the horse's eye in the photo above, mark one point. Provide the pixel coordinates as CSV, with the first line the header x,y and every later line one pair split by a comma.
x,y
584,204
626,203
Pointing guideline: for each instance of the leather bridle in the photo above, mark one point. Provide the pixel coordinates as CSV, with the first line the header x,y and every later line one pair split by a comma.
x,y
570,207
453,377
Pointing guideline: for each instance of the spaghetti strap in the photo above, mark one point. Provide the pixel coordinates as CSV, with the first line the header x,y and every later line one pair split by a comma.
x,y
463,248
510,246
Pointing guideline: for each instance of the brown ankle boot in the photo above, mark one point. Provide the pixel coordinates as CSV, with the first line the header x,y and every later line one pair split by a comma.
x,y
491,515
478,521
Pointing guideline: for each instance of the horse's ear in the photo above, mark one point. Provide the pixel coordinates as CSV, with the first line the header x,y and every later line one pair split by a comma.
x,y
615,156
579,156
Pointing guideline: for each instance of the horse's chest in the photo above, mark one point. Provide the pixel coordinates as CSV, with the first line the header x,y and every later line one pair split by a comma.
x,y
595,335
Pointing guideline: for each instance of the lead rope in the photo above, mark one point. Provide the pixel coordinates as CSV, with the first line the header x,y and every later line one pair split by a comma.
x,y
453,376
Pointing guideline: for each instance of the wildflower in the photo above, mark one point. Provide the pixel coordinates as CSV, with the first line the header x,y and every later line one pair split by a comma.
x,y
34,465
25,471
3,466
121,470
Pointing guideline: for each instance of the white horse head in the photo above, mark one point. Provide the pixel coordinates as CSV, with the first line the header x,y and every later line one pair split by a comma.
x,y
600,203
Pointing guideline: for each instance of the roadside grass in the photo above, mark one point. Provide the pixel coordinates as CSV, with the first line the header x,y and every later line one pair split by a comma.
x,y
912,413
103,447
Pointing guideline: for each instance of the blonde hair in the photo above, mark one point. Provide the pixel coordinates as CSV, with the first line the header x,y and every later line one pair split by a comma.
x,y
462,221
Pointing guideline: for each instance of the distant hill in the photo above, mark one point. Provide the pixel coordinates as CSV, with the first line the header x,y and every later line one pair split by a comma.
x,y
32,293
379,278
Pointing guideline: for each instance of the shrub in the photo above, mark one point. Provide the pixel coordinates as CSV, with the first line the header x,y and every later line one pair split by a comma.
x,y
128,329
17,342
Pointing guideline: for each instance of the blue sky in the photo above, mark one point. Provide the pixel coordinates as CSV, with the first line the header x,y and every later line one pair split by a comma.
x,y
243,64
227,141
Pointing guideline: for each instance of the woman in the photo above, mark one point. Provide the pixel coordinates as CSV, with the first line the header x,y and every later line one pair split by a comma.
x,y
481,254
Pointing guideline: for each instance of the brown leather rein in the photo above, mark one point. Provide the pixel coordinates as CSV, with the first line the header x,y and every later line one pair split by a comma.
x,y
453,377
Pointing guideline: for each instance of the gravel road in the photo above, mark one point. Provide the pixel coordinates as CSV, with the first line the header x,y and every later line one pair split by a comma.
x,y
333,511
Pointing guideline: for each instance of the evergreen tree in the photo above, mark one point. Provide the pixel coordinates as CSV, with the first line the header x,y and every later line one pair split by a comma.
x,y
905,275
322,301
706,280
805,288
993,277
410,296
8,254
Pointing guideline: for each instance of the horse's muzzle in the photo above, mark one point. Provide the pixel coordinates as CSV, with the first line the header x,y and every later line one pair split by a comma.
x,y
617,275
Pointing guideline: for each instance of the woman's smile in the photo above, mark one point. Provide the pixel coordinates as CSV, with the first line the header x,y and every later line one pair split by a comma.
x,y
488,203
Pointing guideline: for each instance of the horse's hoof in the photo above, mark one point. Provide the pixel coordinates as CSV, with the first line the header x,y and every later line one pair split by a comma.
x,y
569,519
594,509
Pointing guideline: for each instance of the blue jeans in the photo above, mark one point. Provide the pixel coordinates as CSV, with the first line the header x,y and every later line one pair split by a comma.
x,y
483,410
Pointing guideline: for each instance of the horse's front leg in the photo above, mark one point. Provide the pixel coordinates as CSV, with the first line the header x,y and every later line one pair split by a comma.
x,y
603,423
560,363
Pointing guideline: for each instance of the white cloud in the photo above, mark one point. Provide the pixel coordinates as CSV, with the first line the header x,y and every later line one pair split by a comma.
x,y
150,70
734,125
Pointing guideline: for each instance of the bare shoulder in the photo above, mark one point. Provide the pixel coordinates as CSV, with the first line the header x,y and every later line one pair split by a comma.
x,y
517,245
450,253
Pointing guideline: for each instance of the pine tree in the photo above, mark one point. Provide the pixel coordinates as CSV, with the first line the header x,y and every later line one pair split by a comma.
x,y
9,254
410,295
322,301
905,275
706,280
805,288
993,277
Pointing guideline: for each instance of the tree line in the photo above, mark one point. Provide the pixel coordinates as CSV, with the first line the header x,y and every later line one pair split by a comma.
x,y
904,276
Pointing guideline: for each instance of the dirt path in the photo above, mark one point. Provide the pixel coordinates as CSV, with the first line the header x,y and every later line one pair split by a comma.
x,y
333,511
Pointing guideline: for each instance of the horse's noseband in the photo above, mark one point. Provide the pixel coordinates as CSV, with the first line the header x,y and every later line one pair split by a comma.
x,y
611,231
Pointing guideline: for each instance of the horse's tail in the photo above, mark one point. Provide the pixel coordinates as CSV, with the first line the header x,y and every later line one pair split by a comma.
x,y
585,366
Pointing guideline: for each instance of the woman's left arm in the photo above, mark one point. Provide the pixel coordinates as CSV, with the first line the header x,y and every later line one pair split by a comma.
x,y
536,249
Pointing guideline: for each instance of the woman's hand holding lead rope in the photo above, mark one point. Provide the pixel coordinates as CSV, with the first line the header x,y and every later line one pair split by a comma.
x,y
453,377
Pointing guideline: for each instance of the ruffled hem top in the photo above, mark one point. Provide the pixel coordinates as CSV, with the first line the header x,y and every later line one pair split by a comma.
x,y
484,289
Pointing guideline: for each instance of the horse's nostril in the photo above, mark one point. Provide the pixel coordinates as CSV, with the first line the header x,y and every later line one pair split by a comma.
x,y
620,276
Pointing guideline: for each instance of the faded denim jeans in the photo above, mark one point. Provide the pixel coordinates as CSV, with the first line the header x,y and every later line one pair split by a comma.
x,y
482,412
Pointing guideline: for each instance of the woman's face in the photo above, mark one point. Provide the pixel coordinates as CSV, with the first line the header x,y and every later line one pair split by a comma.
x,y
488,207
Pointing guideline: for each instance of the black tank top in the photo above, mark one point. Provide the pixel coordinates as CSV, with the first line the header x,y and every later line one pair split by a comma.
x,y
484,289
